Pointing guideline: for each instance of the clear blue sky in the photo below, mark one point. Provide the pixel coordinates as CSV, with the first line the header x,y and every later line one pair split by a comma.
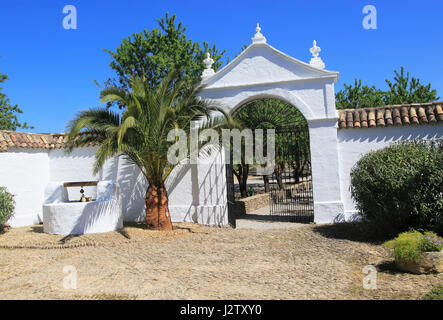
x,y
52,69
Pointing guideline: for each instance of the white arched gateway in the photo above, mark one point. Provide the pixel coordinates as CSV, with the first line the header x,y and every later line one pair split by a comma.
x,y
263,71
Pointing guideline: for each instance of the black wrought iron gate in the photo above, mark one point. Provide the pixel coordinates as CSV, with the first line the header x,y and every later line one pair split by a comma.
x,y
289,186
291,197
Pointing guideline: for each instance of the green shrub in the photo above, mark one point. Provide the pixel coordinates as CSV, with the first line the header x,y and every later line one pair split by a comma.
x,y
406,247
431,242
7,205
400,187
409,246
251,192
436,293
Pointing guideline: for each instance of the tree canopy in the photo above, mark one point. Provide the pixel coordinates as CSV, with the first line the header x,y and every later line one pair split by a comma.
x,y
269,113
155,53
402,89
8,112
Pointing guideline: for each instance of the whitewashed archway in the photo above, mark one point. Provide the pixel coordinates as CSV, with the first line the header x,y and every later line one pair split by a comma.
x,y
263,71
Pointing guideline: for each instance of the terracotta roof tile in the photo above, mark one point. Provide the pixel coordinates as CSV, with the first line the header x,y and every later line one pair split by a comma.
x,y
364,118
388,117
371,118
15,139
413,116
350,119
380,118
397,115
357,123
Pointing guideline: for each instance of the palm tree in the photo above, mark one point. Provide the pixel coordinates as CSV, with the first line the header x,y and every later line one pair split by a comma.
x,y
140,133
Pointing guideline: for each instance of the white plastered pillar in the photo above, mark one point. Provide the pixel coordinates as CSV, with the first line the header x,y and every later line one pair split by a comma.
x,y
328,206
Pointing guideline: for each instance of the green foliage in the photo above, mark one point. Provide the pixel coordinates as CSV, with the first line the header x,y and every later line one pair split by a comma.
x,y
359,96
436,293
7,205
431,242
251,192
141,133
8,112
409,246
403,89
154,54
406,247
399,187
269,113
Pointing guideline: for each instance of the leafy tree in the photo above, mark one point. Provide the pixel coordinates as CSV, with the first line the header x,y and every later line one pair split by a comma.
x,y
8,112
359,96
153,54
140,134
403,89
268,114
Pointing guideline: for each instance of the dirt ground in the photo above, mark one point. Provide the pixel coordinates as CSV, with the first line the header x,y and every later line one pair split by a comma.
x,y
197,262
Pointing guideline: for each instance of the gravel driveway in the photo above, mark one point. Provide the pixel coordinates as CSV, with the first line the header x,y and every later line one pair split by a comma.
x,y
197,262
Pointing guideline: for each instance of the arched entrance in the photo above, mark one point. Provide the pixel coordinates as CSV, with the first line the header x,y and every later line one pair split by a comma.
x,y
286,193
262,71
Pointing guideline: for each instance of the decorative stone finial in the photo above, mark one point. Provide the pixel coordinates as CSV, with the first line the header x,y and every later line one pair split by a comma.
x,y
315,50
316,61
257,30
208,66
258,37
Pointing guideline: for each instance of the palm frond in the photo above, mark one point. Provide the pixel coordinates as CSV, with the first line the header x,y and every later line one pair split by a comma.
x,y
111,94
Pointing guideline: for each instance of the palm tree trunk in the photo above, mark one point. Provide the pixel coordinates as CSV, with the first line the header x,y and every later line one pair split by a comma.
x,y
157,210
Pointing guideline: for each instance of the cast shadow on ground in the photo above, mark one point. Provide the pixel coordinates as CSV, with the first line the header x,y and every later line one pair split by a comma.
x,y
276,218
142,225
353,231
63,240
37,228
68,238
388,266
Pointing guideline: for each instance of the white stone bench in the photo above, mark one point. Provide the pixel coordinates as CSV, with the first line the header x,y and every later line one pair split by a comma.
x,y
63,217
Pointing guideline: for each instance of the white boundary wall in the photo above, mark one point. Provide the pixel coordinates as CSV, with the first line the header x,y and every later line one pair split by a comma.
x,y
25,173
354,143
197,193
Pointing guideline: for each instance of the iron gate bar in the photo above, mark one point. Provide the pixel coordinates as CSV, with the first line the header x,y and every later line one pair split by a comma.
x,y
291,195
